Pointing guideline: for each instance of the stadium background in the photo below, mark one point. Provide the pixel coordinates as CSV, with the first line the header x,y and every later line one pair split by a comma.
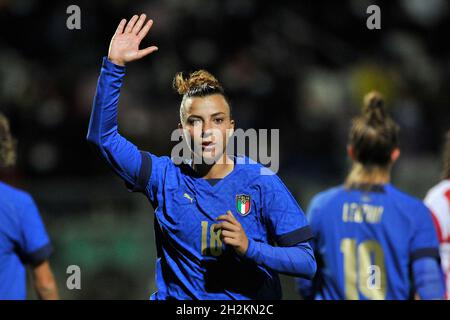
x,y
300,66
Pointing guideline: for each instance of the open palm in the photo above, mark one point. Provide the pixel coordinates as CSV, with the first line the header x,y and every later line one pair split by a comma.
x,y
125,43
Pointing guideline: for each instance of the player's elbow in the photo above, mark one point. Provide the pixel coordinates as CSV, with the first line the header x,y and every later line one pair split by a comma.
x,y
309,265
305,265
311,268
102,141
93,138
97,142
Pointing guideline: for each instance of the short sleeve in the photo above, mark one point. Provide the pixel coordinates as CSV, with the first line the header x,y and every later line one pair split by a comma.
x,y
35,244
424,240
286,219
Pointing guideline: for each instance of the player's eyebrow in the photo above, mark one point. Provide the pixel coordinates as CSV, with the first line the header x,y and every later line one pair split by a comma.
x,y
217,113
193,116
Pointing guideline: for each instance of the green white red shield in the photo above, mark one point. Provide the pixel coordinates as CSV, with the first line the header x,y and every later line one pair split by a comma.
x,y
243,204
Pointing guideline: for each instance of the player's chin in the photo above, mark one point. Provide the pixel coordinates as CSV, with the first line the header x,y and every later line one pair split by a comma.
x,y
212,155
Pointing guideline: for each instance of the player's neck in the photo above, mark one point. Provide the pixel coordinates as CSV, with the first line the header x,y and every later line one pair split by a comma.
x,y
360,174
218,170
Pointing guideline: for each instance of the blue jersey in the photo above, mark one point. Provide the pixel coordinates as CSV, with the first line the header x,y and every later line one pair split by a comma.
x,y
192,262
195,262
23,240
366,242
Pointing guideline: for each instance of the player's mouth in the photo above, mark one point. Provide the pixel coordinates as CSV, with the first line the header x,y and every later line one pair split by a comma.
x,y
208,145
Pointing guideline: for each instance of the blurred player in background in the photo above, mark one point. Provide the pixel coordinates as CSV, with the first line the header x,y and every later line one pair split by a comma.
x,y
216,224
23,239
438,200
369,237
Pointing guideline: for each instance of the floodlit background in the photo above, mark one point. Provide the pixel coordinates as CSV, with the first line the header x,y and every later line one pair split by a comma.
x,y
301,67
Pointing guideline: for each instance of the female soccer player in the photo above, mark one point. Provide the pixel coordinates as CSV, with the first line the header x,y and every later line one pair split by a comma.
x,y
369,237
217,222
438,200
23,239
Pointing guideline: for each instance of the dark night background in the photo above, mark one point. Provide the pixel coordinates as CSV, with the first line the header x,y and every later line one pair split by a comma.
x,y
298,66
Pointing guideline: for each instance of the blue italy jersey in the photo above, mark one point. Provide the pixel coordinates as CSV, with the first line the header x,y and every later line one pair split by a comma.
x,y
366,242
192,262
23,240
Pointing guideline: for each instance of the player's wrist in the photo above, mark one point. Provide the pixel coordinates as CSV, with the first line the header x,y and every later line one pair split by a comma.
x,y
118,62
249,252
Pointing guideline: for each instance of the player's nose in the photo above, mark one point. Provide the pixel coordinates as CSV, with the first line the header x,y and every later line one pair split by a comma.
x,y
206,129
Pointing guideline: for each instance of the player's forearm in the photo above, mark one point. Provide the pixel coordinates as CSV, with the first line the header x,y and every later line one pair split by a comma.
x,y
121,155
103,122
44,282
297,260
428,279
47,291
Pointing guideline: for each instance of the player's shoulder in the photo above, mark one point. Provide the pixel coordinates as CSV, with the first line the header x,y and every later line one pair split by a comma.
x,y
253,172
411,204
159,164
14,193
13,200
163,160
438,191
327,196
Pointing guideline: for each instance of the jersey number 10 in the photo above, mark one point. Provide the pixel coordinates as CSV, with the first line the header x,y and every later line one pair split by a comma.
x,y
361,276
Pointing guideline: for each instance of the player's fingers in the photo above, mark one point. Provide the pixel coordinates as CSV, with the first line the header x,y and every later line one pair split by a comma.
x,y
231,241
137,27
232,218
121,25
222,217
226,226
144,52
230,214
228,234
226,218
131,23
145,29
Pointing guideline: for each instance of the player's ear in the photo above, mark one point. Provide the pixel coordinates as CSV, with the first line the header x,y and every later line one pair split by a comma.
x,y
351,152
395,154
180,129
230,130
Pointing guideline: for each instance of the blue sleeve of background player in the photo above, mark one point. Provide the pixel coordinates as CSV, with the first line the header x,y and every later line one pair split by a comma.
x,y
35,246
306,287
428,279
427,273
288,227
133,166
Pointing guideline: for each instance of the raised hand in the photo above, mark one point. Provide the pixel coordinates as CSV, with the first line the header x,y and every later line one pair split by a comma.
x,y
124,46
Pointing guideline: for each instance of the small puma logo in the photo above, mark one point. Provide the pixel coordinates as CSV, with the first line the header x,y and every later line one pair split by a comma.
x,y
188,197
